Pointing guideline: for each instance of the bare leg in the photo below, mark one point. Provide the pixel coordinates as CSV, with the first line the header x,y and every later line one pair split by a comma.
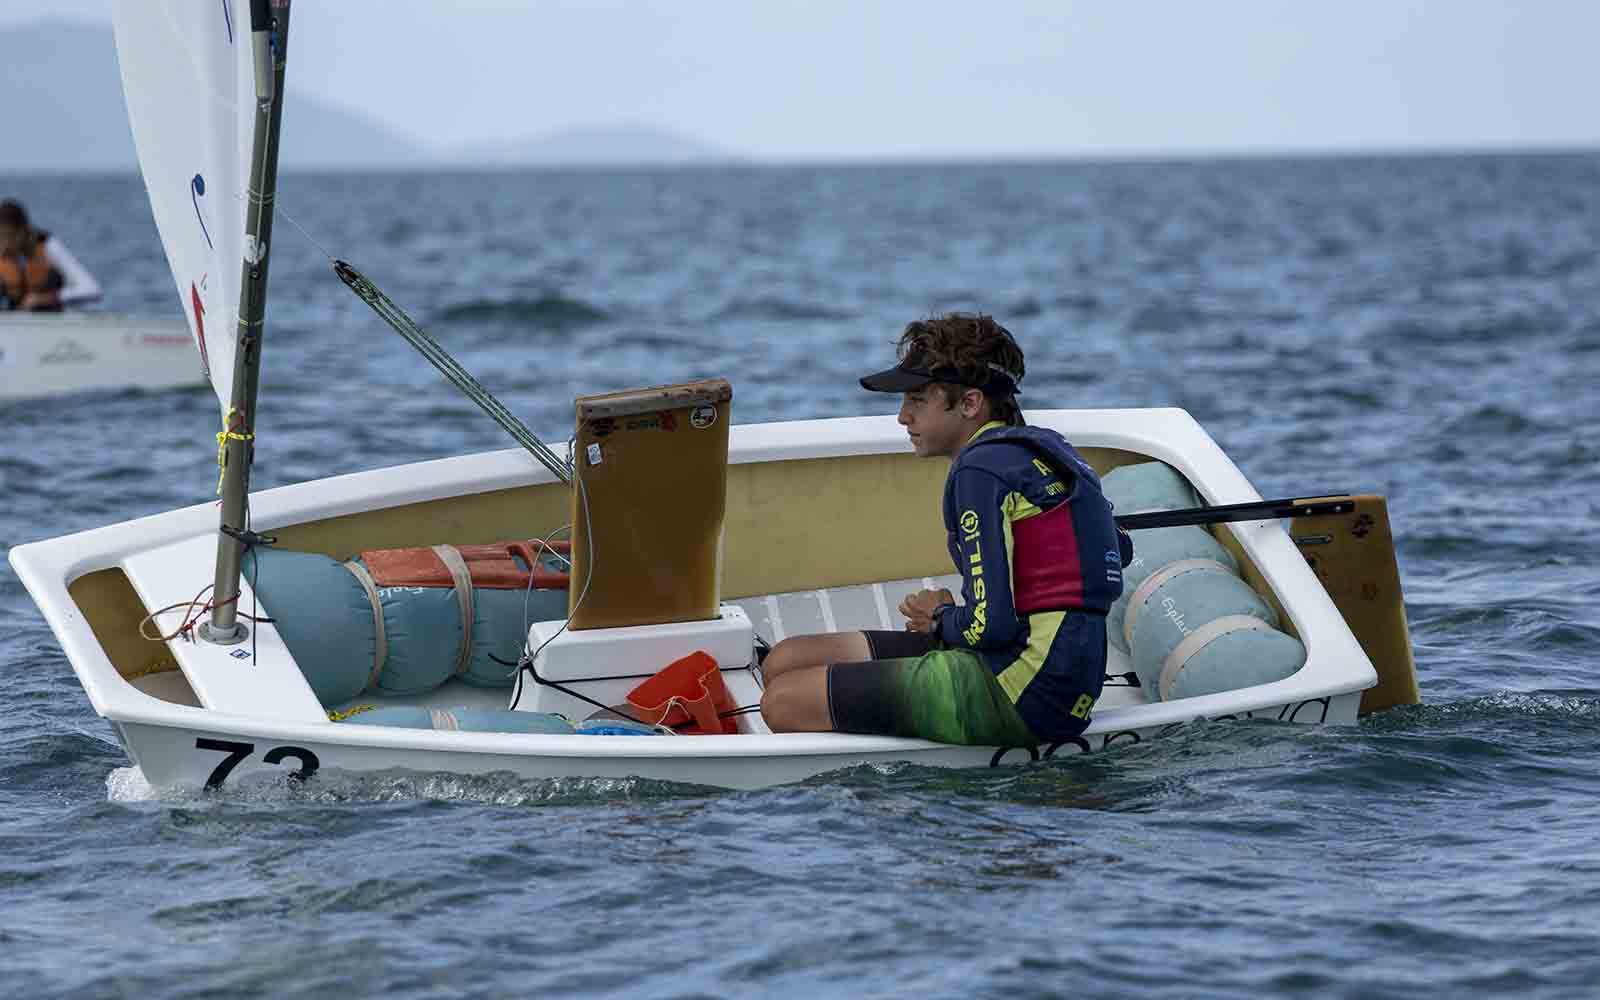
x,y
817,650
797,700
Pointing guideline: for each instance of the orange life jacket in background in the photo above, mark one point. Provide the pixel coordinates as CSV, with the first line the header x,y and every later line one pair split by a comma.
x,y
20,274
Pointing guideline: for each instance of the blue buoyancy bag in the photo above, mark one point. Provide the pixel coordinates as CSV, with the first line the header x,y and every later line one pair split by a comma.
x,y
1186,597
1191,625
1153,549
1198,629
1147,486
1238,654
325,614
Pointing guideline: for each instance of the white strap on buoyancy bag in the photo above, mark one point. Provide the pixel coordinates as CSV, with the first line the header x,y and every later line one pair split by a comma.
x,y
1154,581
380,646
462,578
1199,639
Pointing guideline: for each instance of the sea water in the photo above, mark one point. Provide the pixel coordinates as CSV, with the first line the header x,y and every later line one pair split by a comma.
x,y
1427,328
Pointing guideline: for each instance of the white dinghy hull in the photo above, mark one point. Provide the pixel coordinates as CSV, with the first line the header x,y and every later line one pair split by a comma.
x,y
814,507
51,354
177,757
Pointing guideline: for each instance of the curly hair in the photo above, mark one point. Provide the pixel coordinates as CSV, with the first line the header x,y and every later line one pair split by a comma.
x,y
13,214
976,348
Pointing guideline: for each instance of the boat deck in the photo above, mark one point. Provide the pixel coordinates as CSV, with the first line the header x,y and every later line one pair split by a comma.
x,y
774,617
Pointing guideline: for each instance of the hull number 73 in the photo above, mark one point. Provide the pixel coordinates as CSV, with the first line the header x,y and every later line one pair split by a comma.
x,y
237,752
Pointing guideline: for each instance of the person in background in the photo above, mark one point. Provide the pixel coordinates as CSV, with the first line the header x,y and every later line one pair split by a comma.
x,y
37,272
1022,660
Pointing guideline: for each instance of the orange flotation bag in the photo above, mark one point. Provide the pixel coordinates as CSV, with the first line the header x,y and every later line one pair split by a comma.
x,y
499,566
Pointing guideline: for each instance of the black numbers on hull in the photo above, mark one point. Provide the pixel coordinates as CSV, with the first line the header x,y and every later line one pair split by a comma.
x,y
237,752
1313,711
308,761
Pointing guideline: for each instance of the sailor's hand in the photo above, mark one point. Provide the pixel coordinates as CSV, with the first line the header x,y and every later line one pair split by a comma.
x,y
918,608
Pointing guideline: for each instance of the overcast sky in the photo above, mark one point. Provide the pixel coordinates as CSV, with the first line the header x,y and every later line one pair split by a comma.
x,y
786,79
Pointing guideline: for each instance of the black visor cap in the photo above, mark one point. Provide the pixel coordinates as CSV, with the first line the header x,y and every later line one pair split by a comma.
x,y
902,378
899,379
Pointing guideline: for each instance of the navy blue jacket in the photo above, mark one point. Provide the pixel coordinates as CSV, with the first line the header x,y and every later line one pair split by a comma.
x,y
1003,476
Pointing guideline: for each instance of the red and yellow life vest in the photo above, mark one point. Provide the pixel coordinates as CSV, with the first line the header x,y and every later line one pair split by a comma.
x,y
20,274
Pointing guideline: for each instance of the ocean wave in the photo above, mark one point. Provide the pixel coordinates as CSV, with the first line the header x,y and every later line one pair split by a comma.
x,y
662,342
1166,317
46,761
550,310
779,308
1025,308
1530,629
1491,421
332,787
1491,326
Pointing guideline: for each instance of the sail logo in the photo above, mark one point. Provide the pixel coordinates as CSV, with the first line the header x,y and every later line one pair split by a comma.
x,y
1174,615
67,352
197,190
200,327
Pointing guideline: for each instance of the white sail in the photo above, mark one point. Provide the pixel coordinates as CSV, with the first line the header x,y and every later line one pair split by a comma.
x,y
187,78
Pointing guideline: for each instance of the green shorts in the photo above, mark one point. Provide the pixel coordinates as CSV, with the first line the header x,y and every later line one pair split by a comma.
x,y
944,695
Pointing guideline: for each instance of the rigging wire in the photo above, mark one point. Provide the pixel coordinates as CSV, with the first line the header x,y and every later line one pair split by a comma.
x,y
391,313
429,348
527,659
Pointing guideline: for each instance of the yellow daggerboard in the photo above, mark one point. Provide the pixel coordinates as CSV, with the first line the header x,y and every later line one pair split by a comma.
x,y
1353,555
652,466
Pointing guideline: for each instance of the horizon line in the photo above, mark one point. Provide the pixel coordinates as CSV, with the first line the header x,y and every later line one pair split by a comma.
x,y
937,159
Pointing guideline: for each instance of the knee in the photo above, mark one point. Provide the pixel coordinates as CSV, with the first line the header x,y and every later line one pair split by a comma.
x,y
774,703
816,650
785,656
781,704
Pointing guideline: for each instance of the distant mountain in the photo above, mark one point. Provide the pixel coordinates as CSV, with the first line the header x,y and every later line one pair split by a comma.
x,y
63,111
325,135
596,145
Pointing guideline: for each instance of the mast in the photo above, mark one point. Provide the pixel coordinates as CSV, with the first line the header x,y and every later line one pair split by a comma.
x,y
269,39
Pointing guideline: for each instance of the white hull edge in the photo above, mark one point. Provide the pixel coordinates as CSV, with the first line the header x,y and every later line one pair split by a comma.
x,y
180,757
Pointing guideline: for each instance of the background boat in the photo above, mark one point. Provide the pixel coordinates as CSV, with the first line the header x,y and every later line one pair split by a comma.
x,y
50,354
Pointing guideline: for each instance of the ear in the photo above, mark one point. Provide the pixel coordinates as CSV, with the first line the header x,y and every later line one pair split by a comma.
x,y
972,403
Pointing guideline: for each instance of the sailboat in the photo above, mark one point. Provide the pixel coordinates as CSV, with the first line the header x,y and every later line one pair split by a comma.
x,y
489,612
52,354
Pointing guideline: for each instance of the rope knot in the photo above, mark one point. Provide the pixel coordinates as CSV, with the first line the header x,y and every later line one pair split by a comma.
x,y
231,431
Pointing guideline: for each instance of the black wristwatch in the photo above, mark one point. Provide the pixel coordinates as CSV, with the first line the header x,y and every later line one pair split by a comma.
x,y
933,619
